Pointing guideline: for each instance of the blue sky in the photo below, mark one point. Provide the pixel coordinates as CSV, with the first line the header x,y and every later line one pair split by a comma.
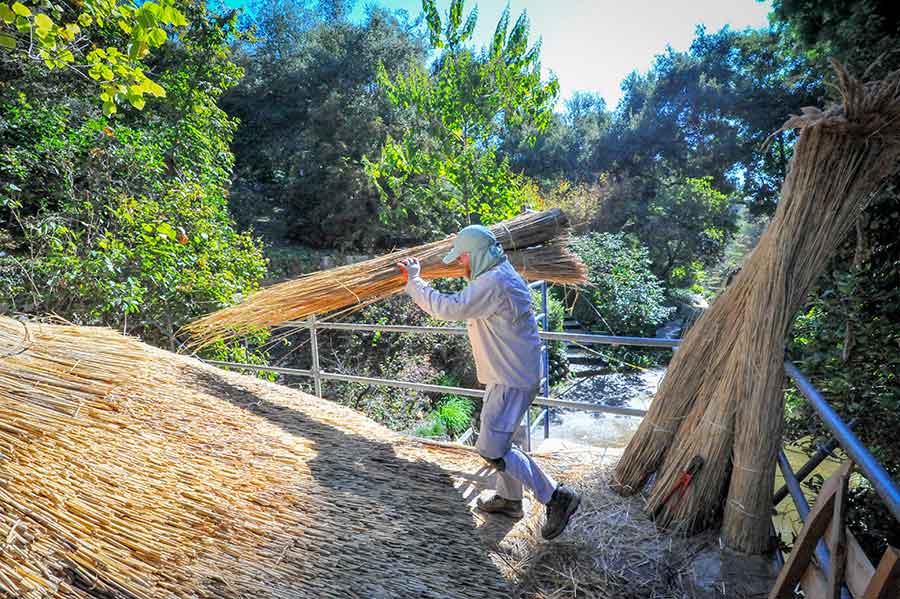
x,y
593,44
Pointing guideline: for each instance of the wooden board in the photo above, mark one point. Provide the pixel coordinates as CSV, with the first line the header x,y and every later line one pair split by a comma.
x,y
813,582
837,538
813,528
885,584
859,570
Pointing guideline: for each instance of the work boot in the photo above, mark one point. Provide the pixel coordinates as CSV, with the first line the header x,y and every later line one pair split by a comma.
x,y
499,505
562,505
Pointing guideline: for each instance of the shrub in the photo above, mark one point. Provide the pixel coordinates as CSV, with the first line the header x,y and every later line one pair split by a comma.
x,y
455,413
624,297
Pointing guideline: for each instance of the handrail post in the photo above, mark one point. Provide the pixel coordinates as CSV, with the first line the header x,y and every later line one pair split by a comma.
x,y
314,345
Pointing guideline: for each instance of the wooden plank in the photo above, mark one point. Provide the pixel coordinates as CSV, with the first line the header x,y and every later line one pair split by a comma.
x,y
815,526
859,570
813,582
837,538
885,584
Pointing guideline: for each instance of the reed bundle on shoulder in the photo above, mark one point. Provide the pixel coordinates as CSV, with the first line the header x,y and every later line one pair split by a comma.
x,y
536,243
722,397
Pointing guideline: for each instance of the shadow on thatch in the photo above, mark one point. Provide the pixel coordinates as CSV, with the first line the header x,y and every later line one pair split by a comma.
x,y
384,526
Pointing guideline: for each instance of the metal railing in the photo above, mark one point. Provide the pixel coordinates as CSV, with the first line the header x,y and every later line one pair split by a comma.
x,y
544,399
881,481
842,436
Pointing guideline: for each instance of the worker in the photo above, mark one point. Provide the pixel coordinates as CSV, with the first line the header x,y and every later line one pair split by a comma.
x,y
503,333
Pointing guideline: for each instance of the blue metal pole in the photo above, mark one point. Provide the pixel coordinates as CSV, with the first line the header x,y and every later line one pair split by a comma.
x,y
545,357
862,457
802,505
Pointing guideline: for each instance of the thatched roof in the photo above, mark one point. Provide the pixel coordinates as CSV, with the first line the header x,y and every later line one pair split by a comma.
x,y
195,482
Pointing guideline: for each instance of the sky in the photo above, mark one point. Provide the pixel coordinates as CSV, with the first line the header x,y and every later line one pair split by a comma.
x,y
591,45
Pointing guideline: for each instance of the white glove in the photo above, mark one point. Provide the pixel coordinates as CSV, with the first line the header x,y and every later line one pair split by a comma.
x,y
410,267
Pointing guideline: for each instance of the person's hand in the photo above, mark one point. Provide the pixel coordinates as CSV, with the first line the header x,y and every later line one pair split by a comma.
x,y
410,267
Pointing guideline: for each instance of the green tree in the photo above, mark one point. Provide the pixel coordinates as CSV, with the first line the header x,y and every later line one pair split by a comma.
x,y
567,147
126,32
447,170
684,223
310,110
124,221
846,340
707,113
625,297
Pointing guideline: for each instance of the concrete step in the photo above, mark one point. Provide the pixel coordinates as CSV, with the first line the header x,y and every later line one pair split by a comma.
x,y
589,360
576,351
589,372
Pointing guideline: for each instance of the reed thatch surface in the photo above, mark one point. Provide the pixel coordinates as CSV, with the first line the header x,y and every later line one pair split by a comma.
x,y
195,482
537,246
722,396
613,550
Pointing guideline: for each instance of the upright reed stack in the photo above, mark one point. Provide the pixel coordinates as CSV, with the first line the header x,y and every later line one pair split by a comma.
x,y
722,397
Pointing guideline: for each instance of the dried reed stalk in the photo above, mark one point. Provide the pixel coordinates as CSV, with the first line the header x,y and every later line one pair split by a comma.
x,y
723,394
359,284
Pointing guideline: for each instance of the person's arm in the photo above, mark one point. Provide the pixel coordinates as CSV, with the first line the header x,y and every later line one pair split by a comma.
x,y
477,300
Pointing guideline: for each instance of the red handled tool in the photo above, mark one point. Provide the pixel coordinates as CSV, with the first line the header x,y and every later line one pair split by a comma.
x,y
681,485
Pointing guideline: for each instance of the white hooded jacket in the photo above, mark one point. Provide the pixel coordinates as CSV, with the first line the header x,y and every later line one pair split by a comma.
x,y
502,330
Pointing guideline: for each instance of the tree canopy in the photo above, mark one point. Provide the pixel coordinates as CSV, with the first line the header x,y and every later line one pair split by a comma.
x,y
447,171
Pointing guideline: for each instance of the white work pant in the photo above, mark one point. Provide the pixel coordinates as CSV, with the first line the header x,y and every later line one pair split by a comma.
x,y
500,417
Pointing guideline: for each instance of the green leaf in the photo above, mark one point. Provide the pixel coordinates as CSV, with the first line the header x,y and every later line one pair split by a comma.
x,y
21,10
137,101
7,41
6,13
109,108
158,36
178,19
152,8
166,230
85,20
154,89
43,22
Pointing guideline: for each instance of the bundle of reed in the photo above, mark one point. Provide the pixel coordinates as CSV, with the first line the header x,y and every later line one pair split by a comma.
x,y
722,397
536,243
52,371
192,482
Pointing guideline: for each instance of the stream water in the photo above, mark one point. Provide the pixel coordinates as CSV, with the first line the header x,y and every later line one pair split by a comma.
x,y
605,430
